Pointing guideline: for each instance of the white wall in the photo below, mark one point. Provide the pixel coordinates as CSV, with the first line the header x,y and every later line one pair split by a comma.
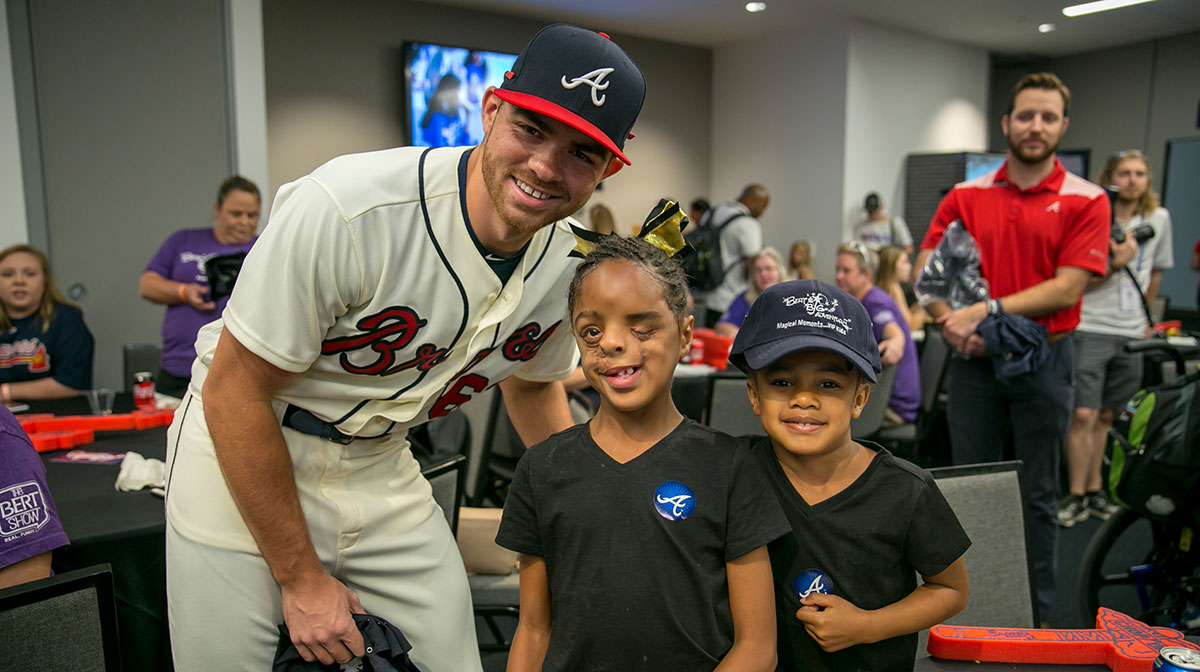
x,y
779,116
334,81
906,94
248,95
823,115
13,228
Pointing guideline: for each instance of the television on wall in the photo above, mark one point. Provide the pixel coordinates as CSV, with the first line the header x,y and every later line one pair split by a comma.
x,y
443,92
980,164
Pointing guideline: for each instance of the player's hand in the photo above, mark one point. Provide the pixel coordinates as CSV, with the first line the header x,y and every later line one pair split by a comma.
x,y
318,617
196,296
975,346
1122,253
890,351
832,622
959,325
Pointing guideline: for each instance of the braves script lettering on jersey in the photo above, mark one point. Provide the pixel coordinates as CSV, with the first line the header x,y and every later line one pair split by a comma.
x,y
395,306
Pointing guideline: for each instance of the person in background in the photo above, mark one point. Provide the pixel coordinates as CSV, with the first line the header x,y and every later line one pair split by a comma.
x,y
879,229
601,219
697,210
1113,314
176,278
741,239
800,261
895,278
1042,233
45,347
855,262
767,270
28,519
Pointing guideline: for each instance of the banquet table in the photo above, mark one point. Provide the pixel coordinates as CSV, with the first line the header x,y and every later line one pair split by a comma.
x,y
124,529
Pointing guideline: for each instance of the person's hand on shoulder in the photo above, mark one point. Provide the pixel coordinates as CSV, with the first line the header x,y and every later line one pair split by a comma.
x,y
833,622
318,617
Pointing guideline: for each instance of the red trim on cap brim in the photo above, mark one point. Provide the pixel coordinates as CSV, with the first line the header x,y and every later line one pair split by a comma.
x,y
560,113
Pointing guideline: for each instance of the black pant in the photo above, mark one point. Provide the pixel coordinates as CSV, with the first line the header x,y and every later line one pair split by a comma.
x,y
170,385
1034,411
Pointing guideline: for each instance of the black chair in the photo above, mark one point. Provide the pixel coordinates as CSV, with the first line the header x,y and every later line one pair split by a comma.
x,y
869,422
906,439
987,500
729,408
499,451
447,481
65,622
139,357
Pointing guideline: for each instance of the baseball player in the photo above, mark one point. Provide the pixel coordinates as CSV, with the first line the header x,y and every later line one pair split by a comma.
x,y
389,288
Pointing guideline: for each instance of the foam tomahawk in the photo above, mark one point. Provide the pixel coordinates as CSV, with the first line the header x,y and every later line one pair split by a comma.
x,y
1119,641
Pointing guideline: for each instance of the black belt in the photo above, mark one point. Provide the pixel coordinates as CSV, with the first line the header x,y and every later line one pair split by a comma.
x,y
306,423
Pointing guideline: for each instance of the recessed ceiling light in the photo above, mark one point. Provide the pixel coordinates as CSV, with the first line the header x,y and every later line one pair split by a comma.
x,y
755,7
1047,28
1100,6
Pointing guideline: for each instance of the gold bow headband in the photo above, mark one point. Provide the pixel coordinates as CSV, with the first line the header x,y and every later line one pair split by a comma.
x,y
663,229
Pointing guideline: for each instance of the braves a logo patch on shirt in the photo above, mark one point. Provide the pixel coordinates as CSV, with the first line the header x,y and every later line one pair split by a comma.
x,y
674,500
811,581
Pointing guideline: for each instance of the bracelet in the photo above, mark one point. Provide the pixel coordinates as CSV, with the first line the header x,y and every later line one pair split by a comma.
x,y
182,289
993,306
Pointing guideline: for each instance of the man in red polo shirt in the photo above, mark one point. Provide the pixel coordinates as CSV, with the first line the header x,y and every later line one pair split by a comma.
x,y
1042,233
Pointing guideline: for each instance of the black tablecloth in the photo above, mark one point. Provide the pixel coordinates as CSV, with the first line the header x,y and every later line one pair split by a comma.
x,y
124,529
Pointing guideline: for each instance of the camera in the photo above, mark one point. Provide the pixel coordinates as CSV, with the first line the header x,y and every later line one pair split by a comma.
x,y
1141,233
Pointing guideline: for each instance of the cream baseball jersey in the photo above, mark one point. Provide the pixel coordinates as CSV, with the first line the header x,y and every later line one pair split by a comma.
x,y
368,284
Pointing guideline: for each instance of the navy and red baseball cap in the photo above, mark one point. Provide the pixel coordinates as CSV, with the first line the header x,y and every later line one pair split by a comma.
x,y
805,315
580,78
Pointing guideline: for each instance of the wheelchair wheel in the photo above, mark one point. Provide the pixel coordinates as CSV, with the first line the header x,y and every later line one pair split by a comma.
x,y
1143,568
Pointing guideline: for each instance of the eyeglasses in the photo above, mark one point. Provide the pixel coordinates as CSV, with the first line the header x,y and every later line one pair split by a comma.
x,y
1135,153
861,249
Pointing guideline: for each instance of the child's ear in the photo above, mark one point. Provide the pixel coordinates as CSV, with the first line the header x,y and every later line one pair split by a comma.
x,y
860,398
752,392
685,336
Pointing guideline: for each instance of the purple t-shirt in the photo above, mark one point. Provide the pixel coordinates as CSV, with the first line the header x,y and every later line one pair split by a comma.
x,y
906,390
28,520
182,259
735,314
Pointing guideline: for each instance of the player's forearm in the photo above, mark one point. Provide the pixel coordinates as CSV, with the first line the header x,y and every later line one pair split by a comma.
x,y
42,388
254,458
258,471
1049,296
537,410
157,289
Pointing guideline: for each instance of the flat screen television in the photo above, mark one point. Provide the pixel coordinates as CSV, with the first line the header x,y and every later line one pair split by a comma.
x,y
980,164
443,91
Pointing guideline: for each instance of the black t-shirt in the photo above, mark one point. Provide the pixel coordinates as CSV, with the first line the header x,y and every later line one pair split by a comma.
x,y
635,553
869,539
64,351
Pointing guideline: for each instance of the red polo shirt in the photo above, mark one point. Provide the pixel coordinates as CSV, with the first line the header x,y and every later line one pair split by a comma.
x,y
1024,235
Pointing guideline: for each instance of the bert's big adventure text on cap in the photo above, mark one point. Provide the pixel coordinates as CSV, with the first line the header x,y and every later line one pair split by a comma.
x,y
580,78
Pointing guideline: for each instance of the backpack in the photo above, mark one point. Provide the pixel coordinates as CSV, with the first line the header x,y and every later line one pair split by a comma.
x,y
703,266
1153,458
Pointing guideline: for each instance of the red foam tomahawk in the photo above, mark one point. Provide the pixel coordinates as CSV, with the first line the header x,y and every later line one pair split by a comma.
x,y
1122,643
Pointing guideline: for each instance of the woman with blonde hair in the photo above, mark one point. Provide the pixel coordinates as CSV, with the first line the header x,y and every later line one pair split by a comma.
x,y
895,272
767,269
45,348
800,261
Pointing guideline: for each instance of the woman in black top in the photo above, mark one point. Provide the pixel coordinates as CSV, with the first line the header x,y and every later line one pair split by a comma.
x,y
45,348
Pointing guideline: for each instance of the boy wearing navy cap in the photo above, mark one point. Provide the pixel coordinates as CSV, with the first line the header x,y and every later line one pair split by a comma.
x,y
863,521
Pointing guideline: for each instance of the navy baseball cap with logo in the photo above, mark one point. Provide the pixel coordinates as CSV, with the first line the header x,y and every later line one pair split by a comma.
x,y
805,315
580,78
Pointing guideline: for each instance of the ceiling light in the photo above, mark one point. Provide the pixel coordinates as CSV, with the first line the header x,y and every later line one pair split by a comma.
x,y
755,7
1100,6
1047,28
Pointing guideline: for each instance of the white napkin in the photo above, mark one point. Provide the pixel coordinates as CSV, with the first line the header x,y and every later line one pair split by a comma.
x,y
138,472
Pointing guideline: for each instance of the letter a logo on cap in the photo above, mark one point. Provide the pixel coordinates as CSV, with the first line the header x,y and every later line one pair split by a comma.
x,y
594,79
